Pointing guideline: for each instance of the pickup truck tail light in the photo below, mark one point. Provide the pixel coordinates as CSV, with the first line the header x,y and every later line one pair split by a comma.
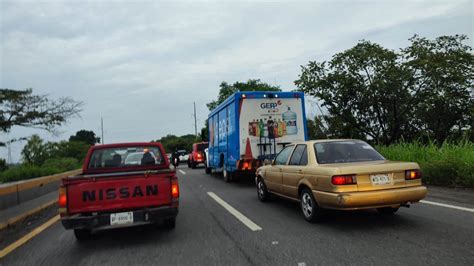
x,y
174,189
412,174
344,180
62,200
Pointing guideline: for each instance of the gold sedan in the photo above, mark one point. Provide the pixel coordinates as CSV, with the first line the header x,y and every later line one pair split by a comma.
x,y
339,174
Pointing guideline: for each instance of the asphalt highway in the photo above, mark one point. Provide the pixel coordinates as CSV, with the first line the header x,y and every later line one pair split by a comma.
x,y
225,224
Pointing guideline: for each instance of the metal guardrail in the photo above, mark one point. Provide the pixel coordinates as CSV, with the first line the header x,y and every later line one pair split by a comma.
x,y
14,193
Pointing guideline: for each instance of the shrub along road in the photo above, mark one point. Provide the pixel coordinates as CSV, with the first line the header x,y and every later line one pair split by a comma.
x,y
208,232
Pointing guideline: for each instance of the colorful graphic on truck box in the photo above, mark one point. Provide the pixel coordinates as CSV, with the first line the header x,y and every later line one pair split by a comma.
x,y
268,124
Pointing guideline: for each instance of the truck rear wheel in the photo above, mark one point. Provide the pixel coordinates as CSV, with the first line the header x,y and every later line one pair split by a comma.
x,y
208,169
170,223
82,234
227,176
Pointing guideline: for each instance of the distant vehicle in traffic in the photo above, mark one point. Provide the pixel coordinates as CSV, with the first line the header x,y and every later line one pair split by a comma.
x,y
249,127
341,175
183,156
197,155
120,185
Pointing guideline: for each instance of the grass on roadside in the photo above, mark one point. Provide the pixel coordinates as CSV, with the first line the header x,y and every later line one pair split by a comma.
x,y
50,167
445,165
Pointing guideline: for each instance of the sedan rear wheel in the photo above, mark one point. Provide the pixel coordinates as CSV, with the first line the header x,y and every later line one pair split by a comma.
x,y
311,211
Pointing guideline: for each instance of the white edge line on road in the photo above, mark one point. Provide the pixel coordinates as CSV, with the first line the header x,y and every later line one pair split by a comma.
x,y
447,206
181,171
251,225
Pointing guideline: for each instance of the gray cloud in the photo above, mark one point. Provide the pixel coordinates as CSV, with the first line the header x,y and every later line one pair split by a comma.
x,y
141,65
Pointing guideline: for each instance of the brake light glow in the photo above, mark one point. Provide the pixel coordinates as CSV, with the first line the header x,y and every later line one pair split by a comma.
x,y
343,180
412,174
199,155
246,165
62,200
174,189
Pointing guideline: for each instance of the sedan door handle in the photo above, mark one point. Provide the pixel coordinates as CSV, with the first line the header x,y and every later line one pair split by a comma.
x,y
300,171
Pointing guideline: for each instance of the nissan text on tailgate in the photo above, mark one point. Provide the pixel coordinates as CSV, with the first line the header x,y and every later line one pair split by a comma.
x,y
120,185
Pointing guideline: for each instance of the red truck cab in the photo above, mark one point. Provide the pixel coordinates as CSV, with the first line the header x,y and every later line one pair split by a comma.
x,y
197,155
120,185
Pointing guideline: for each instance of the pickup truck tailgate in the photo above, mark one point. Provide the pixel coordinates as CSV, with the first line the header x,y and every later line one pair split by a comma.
x,y
123,191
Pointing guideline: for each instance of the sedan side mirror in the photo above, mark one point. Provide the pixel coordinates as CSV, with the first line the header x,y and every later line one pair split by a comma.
x,y
267,162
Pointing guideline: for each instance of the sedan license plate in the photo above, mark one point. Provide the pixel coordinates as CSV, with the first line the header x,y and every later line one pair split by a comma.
x,y
121,218
380,179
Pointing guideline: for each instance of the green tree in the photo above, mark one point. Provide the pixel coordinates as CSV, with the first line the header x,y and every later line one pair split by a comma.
x,y
22,108
443,70
227,90
205,132
172,143
316,128
86,136
69,149
386,96
3,165
34,151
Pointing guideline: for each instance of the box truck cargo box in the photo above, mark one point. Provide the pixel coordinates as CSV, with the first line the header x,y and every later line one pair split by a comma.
x,y
250,127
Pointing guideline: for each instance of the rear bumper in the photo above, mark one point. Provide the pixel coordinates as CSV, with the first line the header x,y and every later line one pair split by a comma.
x,y
142,216
370,199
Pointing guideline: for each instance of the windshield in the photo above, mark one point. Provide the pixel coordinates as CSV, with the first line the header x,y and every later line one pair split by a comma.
x,y
345,152
125,157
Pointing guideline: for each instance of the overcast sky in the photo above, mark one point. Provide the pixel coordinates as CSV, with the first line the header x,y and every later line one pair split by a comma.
x,y
141,65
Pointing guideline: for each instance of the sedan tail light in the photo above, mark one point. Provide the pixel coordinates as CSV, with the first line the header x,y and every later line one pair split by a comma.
x,y
412,174
344,180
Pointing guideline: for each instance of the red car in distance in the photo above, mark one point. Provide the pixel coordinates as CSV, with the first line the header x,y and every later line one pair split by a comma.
x,y
197,155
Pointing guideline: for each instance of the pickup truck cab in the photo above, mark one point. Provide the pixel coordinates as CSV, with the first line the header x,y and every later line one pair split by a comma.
x,y
120,185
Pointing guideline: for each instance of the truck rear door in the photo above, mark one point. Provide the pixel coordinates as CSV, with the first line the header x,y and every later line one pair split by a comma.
x,y
119,191
121,177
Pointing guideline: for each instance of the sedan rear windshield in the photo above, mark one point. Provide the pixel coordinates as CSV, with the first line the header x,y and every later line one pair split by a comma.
x,y
126,157
345,152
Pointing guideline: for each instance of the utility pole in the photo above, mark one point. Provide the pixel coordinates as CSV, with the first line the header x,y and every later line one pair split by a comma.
x,y
102,128
195,122
9,158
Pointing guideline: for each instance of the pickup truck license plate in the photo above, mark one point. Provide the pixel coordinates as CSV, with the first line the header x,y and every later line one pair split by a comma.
x,y
380,179
121,218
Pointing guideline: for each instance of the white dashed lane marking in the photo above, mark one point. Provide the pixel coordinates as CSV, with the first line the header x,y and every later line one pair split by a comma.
x,y
181,171
447,206
251,225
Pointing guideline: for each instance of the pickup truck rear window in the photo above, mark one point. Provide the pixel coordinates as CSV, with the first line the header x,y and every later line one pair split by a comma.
x,y
126,157
345,152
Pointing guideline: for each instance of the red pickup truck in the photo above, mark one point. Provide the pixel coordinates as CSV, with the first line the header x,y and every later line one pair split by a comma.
x,y
120,185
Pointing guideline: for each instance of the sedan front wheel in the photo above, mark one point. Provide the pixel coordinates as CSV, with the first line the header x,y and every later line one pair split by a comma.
x,y
262,190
